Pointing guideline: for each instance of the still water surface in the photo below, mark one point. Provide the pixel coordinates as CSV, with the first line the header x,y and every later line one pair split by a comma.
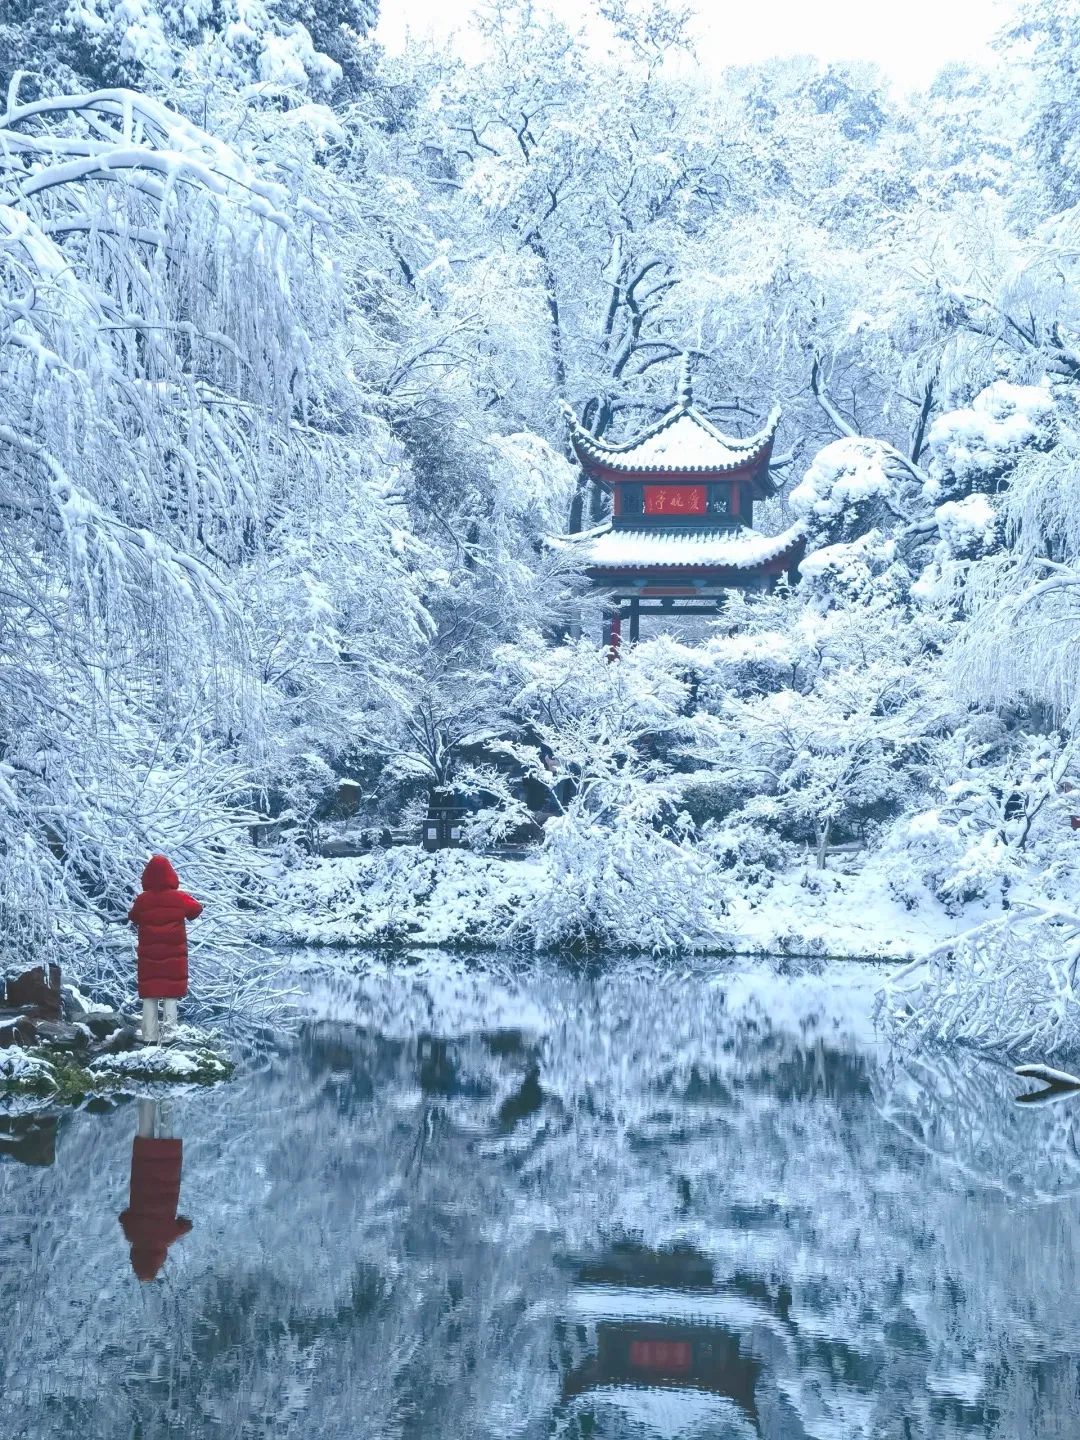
x,y
488,1199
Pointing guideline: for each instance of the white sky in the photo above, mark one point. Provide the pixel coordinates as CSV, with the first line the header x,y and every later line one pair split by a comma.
x,y
910,39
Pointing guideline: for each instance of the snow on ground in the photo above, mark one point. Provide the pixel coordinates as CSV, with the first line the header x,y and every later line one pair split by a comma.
x,y
853,913
405,898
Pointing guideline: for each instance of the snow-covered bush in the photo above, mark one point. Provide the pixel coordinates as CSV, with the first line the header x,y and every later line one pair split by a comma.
x,y
240,41
1022,639
975,449
995,816
852,486
746,663
400,896
923,859
821,765
859,572
969,528
1009,985
750,855
613,878
619,868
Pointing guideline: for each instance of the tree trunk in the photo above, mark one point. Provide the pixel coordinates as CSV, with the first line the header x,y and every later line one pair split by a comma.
x,y
824,834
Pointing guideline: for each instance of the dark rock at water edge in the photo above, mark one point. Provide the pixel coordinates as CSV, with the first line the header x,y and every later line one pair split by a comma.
x,y
37,1009
16,1029
61,1033
35,990
102,1023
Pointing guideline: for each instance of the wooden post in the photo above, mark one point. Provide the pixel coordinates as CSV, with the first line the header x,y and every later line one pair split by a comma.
x,y
635,621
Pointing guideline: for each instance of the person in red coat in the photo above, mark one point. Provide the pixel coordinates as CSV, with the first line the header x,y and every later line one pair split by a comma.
x,y
161,913
150,1222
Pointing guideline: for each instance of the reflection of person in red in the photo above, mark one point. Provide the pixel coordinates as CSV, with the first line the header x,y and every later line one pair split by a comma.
x,y
150,1222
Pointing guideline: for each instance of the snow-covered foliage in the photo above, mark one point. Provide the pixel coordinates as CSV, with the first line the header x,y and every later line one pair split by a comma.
x,y
618,868
1008,985
968,527
973,448
852,486
131,366
402,896
240,41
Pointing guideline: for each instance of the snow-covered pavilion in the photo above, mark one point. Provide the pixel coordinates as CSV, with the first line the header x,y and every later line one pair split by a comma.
x,y
681,530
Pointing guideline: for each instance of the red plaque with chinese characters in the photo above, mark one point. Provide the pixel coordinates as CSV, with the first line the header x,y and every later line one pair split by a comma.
x,y
671,1356
675,500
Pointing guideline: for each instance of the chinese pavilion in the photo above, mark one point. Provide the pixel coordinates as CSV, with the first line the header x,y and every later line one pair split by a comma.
x,y
681,530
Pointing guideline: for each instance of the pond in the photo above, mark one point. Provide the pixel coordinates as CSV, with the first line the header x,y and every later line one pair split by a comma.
x,y
490,1198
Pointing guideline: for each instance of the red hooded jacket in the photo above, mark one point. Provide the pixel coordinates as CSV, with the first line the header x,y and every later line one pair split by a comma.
x,y
160,912
150,1222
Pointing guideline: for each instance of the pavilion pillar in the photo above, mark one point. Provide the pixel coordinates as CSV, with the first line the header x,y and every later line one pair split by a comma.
x,y
635,620
613,633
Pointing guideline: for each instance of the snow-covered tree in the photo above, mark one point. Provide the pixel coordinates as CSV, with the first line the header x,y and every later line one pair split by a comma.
x,y
170,483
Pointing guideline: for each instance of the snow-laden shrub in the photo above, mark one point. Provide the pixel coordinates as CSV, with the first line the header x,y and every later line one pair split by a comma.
x,y
975,449
243,41
709,798
1009,986
853,485
746,664
618,884
1021,639
817,766
1000,812
860,572
618,866
969,528
398,896
749,855
924,857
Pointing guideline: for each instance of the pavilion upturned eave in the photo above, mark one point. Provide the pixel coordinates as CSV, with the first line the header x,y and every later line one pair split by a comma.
x,y
606,551
682,443
753,472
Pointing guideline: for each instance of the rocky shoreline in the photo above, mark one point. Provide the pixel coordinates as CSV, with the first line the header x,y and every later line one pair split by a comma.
x,y
56,1044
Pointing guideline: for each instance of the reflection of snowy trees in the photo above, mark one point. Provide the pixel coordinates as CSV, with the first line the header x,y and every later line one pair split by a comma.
x,y
430,1216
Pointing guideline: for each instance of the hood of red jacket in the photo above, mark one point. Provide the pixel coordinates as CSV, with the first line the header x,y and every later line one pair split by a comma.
x,y
147,1260
159,874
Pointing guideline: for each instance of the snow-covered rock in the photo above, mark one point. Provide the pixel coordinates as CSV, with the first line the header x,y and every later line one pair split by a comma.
x,y
24,1069
161,1062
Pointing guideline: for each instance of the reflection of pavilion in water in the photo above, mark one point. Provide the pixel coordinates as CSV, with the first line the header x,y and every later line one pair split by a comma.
x,y
657,1321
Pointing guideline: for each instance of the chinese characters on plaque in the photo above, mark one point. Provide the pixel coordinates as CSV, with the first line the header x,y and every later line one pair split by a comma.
x,y
675,500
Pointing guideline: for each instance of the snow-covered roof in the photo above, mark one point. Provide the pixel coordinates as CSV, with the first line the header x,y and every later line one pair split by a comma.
x,y
734,549
682,440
